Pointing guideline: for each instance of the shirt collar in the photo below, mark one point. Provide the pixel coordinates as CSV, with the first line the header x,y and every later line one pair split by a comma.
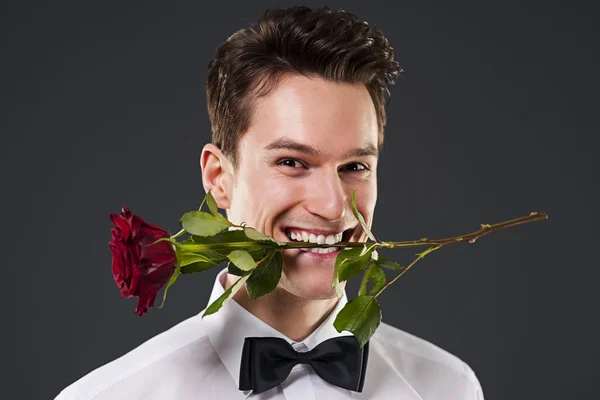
x,y
227,328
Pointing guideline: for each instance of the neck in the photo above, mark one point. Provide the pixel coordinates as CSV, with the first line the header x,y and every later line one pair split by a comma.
x,y
291,315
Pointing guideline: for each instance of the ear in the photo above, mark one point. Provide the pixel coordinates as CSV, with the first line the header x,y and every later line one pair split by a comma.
x,y
217,175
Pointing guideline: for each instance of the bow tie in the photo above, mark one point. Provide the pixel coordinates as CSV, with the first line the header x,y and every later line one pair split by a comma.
x,y
267,361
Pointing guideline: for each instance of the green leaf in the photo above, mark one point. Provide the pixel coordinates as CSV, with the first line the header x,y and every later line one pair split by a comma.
x,y
237,235
233,270
201,223
214,209
361,316
171,281
350,262
197,267
360,218
259,254
253,234
217,257
225,236
242,259
265,276
203,201
212,204
256,255
375,275
218,303
389,264
219,217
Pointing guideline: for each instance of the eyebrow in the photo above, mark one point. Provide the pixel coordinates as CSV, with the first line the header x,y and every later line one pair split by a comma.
x,y
290,144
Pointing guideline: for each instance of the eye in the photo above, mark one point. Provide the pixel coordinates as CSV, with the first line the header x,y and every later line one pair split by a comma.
x,y
356,167
290,163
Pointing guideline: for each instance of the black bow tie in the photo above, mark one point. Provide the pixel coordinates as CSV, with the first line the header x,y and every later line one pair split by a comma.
x,y
267,361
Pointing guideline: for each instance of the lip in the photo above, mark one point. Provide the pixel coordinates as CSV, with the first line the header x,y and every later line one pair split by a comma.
x,y
319,256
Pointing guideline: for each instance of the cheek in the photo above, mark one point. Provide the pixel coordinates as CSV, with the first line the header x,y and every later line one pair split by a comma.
x,y
261,199
270,191
278,195
366,199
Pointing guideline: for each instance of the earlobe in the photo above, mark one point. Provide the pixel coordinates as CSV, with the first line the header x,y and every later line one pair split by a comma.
x,y
216,174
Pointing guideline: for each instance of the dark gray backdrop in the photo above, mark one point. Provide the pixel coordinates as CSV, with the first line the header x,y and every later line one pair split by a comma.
x,y
103,105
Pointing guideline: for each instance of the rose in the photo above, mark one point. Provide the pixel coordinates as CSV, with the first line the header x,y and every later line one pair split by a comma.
x,y
140,268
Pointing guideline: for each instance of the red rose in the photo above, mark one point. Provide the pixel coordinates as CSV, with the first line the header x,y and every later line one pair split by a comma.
x,y
139,269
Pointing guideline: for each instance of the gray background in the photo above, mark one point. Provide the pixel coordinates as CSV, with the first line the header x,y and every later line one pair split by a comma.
x,y
103,105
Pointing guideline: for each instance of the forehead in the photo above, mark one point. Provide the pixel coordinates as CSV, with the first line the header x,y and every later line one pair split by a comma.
x,y
329,116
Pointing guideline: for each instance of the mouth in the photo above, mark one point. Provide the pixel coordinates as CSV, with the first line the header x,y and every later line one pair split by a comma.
x,y
293,234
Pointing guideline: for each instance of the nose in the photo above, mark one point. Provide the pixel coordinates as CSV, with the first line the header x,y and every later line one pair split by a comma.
x,y
326,196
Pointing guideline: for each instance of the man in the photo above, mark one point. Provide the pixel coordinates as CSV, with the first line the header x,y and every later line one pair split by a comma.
x,y
296,104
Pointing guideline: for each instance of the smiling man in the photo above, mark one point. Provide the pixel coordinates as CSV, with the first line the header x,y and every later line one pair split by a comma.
x,y
296,104
310,143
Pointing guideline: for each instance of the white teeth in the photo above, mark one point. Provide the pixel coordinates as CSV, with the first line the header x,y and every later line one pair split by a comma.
x,y
319,239
323,251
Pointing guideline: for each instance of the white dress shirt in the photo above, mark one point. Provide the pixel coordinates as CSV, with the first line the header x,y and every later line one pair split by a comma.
x,y
199,358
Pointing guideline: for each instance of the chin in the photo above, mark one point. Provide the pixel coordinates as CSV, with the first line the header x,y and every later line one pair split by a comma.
x,y
313,283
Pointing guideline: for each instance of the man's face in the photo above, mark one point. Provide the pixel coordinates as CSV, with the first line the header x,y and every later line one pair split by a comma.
x,y
310,144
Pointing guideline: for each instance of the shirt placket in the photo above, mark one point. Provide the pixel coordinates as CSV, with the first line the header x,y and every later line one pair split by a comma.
x,y
298,385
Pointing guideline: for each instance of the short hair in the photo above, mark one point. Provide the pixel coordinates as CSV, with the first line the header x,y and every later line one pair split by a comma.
x,y
334,45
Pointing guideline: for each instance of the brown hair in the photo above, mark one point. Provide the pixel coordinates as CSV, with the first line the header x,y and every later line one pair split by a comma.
x,y
334,45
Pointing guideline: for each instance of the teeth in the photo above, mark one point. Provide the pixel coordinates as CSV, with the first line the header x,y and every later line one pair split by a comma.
x,y
320,239
323,251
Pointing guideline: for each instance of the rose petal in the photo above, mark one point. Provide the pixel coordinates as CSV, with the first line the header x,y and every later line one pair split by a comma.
x,y
146,299
122,225
140,268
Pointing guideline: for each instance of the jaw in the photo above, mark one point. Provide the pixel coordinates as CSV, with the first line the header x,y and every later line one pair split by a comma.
x,y
310,275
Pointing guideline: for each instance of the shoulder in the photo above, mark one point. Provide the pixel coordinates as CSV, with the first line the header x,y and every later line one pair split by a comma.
x,y
415,358
165,354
